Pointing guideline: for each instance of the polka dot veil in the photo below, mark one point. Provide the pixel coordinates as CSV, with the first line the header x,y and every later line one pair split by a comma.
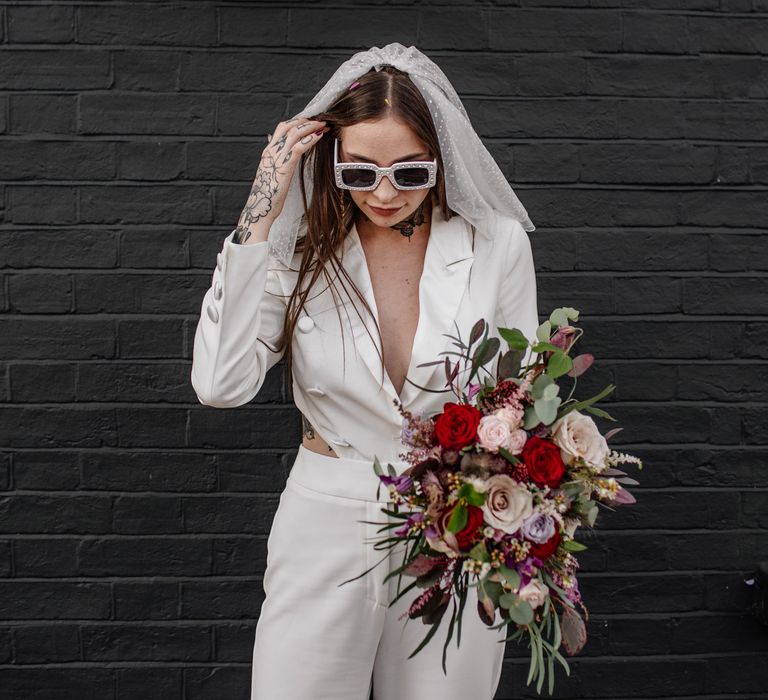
x,y
475,186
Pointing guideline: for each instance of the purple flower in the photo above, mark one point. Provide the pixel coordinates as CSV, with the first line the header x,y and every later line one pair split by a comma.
x,y
472,389
408,433
538,528
573,593
402,482
412,520
529,566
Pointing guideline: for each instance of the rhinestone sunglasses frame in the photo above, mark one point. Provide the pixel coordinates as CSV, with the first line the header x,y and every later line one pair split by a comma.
x,y
339,167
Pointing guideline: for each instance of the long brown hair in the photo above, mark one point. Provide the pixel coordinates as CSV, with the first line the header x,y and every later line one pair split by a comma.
x,y
330,214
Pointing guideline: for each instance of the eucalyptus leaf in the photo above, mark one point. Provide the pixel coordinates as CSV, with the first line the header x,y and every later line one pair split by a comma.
x,y
572,488
558,317
550,392
544,331
540,384
546,410
572,313
521,612
530,419
507,600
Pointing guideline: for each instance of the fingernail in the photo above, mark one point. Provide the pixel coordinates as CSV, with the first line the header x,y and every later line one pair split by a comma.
x,y
319,132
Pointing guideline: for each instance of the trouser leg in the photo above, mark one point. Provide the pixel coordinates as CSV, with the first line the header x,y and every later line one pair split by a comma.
x,y
313,638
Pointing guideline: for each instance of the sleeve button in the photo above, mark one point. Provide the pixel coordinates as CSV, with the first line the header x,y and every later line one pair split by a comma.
x,y
212,313
217,290
218,261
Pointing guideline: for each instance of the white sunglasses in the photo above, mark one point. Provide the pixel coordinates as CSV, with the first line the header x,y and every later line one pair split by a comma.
x,y
407,175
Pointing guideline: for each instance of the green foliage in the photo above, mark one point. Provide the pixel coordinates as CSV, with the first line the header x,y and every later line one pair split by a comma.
x,y
458,519
514,338
573,546
468,493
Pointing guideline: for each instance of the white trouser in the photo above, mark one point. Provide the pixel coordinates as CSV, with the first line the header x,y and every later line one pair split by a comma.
x,y
315,639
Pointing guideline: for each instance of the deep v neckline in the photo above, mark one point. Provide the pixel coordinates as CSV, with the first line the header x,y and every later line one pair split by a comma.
x,y
371,299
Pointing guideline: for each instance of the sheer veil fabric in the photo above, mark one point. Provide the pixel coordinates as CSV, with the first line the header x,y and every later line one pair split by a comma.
x,y
475,186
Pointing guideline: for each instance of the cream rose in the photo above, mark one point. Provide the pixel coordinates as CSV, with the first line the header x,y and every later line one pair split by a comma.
x,y
507,503
534,593
577,436
492,433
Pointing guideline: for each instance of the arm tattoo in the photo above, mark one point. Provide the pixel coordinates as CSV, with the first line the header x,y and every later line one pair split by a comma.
x,y
265,187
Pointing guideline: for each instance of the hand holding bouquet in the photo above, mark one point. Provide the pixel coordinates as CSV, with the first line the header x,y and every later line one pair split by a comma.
x,y
497,486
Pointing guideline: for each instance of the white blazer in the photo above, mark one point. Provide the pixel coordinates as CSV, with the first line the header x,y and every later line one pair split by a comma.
x,y
465,277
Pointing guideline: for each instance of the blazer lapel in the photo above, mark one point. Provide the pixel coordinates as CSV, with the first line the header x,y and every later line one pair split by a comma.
x,y
447,263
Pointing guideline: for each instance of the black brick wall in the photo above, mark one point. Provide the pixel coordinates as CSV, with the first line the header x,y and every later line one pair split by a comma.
x,y
133,520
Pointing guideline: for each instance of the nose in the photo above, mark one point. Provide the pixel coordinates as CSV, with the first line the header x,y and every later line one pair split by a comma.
x,y
386,191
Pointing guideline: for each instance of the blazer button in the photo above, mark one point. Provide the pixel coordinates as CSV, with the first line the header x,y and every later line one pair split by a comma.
x,y
217,290
339,441
212,313
305,324
316,390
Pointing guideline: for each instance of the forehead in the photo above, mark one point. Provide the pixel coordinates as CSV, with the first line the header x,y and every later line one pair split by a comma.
x,y
385,141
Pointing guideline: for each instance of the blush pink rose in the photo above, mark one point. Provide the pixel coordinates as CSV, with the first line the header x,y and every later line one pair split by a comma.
x,y
534,593
492,433
517,441
512,415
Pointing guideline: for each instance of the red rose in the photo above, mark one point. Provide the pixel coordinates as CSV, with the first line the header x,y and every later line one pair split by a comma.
x,y
544,463
456,426
543,551
467,535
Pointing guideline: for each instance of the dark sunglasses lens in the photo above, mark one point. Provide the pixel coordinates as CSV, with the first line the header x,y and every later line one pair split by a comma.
x,y
358,177
412,177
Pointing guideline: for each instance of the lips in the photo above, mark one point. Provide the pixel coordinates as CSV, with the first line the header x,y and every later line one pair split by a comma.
x,y
385,212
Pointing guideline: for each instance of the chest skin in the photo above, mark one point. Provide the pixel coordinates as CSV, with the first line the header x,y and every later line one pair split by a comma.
x,y
395,266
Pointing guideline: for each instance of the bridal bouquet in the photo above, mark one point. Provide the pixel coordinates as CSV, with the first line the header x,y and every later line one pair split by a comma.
x,y
498,484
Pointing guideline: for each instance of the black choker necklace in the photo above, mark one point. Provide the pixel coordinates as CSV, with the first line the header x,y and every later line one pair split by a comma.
x,y
416,219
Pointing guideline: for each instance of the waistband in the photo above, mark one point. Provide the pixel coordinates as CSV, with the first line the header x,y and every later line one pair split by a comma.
x,y
340,476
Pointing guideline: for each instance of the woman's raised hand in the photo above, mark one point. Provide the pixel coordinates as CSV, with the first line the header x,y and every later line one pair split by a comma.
x,y
279,159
